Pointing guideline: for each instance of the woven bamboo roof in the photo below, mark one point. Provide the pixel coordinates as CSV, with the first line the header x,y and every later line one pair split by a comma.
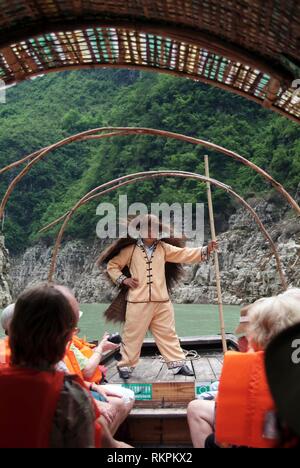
x,y
250,47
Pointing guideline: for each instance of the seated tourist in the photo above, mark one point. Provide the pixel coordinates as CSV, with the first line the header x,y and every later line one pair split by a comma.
x,y
6,318
39,406
201,412
243,383
88,358
283,373
243,346
253,414
113,407
114,402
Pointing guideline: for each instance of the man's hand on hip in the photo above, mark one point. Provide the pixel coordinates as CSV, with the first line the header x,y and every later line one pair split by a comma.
x,y
132,283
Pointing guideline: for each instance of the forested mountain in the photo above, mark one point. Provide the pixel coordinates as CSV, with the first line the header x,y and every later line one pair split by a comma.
x,y
49,108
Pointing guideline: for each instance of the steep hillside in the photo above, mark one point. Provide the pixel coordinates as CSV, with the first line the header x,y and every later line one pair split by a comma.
x,y
52,107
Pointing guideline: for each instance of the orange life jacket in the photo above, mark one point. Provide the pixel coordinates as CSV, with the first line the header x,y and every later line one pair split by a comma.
x,y
245,405
87,350
4,353
72,363
28,401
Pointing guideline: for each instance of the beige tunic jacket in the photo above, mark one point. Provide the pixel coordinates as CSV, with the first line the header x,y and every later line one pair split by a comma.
x,y
151,272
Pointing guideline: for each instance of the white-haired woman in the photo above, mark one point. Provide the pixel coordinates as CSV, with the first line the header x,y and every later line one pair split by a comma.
x,y
267,318
6,319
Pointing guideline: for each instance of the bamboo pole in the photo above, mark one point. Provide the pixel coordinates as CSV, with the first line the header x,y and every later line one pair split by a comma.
x,y
216,255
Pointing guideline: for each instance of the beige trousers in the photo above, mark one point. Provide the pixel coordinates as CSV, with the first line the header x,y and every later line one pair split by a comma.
x,y
159,318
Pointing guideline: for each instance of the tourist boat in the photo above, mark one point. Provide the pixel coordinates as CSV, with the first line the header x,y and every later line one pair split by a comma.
x,y
225,44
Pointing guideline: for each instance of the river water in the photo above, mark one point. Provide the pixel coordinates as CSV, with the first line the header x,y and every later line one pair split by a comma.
x,y
191,320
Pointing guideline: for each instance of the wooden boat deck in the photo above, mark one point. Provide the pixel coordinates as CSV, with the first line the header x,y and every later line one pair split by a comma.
x,y
152,370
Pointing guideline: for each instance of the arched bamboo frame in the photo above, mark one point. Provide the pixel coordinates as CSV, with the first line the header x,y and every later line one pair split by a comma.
x,y
132,178
34,158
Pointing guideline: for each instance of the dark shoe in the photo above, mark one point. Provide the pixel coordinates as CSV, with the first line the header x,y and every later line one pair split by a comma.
x,y
124,373
185,370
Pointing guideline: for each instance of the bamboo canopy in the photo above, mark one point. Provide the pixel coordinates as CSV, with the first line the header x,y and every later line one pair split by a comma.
x,y
249,47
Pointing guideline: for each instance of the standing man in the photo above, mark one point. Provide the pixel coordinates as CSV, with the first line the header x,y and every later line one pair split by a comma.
x,y
148,302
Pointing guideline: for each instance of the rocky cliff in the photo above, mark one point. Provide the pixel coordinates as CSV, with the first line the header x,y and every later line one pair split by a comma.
x,y
247,267
5,296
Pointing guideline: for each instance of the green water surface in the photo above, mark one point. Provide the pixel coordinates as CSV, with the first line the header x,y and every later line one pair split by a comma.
x,y
191,320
